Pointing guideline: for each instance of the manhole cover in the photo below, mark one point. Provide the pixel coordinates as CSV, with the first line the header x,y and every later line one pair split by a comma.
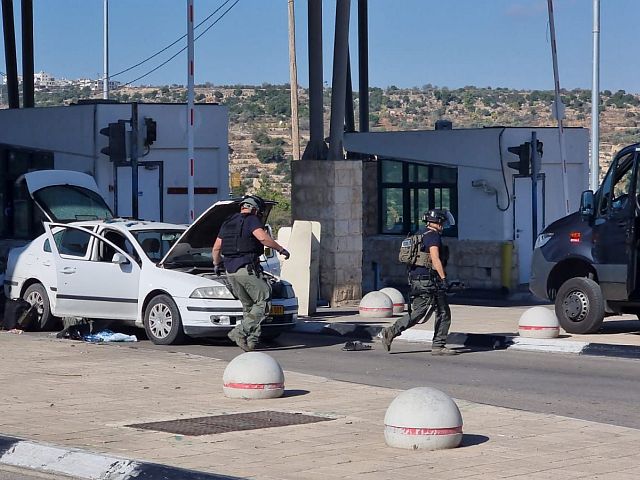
x,y
233,422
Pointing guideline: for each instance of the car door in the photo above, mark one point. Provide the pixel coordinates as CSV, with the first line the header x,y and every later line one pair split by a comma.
x,y
88,283
614,227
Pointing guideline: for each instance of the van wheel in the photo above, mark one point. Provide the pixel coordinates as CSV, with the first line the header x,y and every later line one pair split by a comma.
x,y
580,306
162,321
36,294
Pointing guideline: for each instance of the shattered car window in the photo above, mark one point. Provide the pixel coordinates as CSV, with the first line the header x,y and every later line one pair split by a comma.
x,y
67,203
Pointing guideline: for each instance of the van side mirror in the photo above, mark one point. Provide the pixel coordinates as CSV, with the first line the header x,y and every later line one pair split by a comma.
x,y
119,258
268,252
587,203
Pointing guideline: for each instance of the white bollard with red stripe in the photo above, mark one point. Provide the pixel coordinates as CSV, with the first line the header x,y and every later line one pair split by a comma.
x,y
396,298
375,305
253,375
538,322
423,418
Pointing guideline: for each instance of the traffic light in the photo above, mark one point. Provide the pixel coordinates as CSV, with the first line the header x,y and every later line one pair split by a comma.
x,y
117,149
523,166
150,131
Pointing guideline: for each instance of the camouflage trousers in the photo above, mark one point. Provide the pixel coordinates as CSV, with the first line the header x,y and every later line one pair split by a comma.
x,y
426,300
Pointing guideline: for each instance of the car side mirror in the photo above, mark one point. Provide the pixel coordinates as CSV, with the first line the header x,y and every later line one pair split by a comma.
x,y
119,258
587,203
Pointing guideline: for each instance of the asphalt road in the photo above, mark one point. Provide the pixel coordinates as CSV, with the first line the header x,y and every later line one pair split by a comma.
x,y
599,389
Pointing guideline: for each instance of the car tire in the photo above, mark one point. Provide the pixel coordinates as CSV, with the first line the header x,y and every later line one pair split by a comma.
x,y
579,306
36,294
162,321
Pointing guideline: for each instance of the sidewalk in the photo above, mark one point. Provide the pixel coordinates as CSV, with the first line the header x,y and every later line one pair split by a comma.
x,y
476,323
83,396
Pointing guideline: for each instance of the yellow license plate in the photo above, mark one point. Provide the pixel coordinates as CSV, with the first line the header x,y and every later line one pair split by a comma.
x,y
276,310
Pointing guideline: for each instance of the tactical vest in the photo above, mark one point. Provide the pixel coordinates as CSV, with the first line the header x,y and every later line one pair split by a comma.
x,y
235,241
411,252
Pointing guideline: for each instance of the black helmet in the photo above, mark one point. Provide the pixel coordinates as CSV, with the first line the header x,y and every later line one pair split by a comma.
x,y
435,216
254,202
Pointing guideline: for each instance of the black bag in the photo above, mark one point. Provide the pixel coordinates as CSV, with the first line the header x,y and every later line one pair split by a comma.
x,y
19,314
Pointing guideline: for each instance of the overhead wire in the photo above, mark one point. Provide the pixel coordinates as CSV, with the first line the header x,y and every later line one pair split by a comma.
x,y
170,45
183,49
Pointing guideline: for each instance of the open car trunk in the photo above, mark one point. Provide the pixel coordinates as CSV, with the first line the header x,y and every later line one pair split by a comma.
x,y
66,196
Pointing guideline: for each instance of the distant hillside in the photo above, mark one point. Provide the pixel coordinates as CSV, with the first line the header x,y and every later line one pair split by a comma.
x,y
260,129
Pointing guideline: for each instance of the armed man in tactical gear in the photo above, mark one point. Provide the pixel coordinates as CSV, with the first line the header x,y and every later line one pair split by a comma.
x,y
428,283
241,241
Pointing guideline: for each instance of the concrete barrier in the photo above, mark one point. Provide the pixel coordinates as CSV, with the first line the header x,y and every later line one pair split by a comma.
x,y
375,305
396,298
253,375
538,322
423,418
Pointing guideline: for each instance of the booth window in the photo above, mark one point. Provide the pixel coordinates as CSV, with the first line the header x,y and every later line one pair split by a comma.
x,y
407,190
18,218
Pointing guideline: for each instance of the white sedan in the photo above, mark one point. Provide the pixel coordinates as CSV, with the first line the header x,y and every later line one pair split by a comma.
x,y
154,275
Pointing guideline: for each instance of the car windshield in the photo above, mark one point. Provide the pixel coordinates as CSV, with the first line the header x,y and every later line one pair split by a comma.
x,y
156,243
67,203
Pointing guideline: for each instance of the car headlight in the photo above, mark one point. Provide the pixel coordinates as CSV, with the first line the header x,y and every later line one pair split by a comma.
x,y
542,239
219,291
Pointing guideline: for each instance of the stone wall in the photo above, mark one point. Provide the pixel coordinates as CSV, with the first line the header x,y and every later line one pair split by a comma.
x,y
477,263
330,192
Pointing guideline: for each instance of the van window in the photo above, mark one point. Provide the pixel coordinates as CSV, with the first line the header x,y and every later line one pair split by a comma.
x,y
617,185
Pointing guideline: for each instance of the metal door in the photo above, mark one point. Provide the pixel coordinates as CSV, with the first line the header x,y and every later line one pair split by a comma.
x,y
149,191
522,222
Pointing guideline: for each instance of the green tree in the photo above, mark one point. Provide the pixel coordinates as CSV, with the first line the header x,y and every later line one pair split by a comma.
x,y
280,215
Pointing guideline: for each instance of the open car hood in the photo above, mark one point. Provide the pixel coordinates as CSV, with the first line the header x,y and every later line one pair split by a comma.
x,y
66,196
199,237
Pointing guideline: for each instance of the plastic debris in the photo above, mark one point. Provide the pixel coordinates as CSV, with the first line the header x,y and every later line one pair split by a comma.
x,y
109,336
355,346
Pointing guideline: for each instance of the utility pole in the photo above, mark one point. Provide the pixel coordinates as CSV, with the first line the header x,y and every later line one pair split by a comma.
x,y
293,81
595,100
558,109
134,159
190,112
105,78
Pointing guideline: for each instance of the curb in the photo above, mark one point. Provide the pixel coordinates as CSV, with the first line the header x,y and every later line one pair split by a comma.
x,y
73,462
479,340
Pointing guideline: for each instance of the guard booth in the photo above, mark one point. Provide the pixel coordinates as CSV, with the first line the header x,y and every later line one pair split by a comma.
x,y
483,177
74,137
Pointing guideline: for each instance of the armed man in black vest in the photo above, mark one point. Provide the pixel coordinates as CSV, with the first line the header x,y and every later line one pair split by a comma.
x,y
428,283
241,241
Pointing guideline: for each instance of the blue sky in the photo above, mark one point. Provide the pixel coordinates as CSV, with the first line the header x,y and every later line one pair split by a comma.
x,y
453,43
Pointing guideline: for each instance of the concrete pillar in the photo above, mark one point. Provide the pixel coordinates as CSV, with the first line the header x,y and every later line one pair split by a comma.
x,y
316,149
339,81
331,193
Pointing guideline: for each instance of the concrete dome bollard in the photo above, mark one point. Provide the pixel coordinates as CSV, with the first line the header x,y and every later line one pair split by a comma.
x,y
538,322
396,298
375,305
423,418
253,375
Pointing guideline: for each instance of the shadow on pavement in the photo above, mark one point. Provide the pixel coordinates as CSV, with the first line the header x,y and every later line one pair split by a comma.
x,y
469,440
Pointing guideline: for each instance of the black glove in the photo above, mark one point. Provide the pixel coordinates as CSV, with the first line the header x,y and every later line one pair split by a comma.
x,y
285,253
218,269
443,285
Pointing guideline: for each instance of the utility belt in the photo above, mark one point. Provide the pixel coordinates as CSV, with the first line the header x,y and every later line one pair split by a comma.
x,y
432,275
254,269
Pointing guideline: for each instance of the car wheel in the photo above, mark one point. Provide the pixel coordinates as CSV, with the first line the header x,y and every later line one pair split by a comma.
x,y
36,295
580,305
162,321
